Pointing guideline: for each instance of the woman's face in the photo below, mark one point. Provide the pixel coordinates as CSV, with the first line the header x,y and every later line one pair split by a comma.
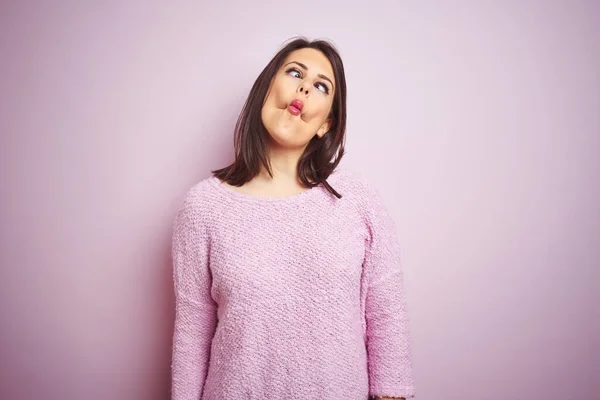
x,y
305,75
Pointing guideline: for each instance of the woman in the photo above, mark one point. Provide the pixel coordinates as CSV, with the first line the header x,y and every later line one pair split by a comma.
x,y
286,269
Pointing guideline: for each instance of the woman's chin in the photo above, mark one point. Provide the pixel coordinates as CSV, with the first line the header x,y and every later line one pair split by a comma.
x,y
285,138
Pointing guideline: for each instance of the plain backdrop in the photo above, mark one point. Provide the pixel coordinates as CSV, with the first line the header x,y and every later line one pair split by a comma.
x,y
478,121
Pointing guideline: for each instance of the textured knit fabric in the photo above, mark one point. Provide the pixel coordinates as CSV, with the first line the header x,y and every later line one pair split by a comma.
x,y
297,298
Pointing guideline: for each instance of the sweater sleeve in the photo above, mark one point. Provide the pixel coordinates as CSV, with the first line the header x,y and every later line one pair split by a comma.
x,y
195,310
388,340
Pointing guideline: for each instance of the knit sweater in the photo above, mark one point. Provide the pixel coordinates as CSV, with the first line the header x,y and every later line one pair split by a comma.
x,y
298,297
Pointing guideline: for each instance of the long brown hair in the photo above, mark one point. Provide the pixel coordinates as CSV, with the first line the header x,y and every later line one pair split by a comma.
x,y
250,138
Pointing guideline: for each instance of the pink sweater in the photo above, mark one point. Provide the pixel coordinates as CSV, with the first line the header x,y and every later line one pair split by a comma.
x,y
294,298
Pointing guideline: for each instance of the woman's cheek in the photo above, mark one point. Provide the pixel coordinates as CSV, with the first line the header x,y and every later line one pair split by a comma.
x,y
322,112
279,98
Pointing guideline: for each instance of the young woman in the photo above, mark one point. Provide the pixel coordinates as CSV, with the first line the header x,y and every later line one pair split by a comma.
x,y
286,268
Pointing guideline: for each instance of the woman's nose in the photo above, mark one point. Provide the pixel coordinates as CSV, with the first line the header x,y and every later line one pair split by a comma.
x,y
304,90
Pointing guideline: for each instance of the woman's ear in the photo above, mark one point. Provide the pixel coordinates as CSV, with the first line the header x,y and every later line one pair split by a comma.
x,y
324,128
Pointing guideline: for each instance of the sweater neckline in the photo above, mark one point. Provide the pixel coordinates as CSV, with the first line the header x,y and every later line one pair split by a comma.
x,y
221,187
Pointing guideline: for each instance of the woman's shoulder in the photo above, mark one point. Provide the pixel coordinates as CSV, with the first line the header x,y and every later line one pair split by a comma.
x,y
353,182
200,191
199,199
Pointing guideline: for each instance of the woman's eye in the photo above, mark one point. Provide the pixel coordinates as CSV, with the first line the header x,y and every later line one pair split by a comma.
x,y
293,71
325,88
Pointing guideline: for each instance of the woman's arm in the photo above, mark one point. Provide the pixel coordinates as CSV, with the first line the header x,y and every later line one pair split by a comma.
x,y
388,332
195,311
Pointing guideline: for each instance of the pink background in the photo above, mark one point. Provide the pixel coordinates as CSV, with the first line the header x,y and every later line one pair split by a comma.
x,y
478,121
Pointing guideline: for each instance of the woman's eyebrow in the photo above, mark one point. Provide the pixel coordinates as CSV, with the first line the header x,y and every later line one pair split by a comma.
x,y
306,68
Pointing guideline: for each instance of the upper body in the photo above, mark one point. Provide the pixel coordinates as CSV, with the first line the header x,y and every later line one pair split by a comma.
x,y
286,288
295,297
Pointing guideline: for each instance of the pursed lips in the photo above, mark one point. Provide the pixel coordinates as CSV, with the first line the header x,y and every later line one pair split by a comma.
x,y
295,107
